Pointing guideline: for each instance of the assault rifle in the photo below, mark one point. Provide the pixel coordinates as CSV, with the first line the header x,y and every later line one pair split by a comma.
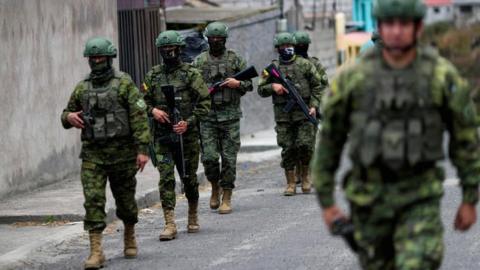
x,y
88,118
294,97
177,139
246,74
344,228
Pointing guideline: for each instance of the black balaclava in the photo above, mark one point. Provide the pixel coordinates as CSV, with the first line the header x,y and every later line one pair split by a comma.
x,y
217,47
286,54
102,71
171,57
302,50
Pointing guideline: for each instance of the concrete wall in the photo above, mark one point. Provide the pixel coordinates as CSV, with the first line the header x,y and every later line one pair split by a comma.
x,y
324,47
41,50
252,38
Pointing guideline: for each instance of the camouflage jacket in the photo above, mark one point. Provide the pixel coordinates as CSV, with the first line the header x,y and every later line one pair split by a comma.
x,y
308,82
448,98
191,93
321,70
226,102
118,150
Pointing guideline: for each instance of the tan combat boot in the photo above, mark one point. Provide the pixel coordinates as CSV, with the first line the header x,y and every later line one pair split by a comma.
x,y
215,198
306,184
226,207
96,258
291,186
130,244
170,230
193,226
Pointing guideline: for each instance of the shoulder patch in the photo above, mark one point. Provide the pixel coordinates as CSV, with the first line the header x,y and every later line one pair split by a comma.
x,y
157,68
141,103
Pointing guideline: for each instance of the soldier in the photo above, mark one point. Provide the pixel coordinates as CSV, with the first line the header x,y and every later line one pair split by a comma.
x,y
191,96
302,44
220,132
111,113
394,106
295,135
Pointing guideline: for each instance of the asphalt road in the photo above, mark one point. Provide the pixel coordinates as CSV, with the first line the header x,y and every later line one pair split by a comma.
x,y
265,231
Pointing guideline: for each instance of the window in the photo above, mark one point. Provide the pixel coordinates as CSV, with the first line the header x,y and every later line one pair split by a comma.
x,y
466,9
436,10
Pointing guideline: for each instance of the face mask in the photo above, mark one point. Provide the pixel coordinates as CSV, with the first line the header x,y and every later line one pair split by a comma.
x,y
101,67
217,47
302,50
286,54
170,56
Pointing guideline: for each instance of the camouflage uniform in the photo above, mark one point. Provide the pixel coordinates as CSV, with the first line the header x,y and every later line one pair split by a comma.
x,y
295,135
220,132
396,124
321,70
192,99
112,157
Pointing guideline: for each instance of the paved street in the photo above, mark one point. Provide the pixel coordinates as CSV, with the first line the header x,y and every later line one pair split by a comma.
x,y
266,231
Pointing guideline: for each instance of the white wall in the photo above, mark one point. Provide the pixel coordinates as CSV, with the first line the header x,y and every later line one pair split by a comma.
x,y
439,14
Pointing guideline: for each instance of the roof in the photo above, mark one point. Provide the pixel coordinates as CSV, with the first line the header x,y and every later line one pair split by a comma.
x,y
357,38
466,2
435,3
200,15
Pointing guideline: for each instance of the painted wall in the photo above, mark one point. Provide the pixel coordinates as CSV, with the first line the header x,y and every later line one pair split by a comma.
x,y
42,60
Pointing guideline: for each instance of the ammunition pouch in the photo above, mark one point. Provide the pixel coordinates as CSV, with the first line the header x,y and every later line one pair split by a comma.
x,y
396,124
105,118
226,96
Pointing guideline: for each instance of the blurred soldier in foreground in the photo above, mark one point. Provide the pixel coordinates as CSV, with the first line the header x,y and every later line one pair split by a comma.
x,y
394,106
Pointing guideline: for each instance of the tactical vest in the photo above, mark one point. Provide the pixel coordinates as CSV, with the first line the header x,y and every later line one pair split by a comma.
x,y
215,70
184,101
105,117
296,74
396,124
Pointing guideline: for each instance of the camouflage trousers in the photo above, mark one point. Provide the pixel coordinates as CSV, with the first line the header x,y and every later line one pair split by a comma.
x,y
410,238
297,141
220,140
166,167
122,183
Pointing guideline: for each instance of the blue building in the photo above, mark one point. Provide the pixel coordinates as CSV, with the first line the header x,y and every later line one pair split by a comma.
x,y
362,15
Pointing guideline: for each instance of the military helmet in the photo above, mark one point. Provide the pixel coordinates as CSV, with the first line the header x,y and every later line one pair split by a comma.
x,y
169,38
411,9
99,46
216,29
302,38
282,39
